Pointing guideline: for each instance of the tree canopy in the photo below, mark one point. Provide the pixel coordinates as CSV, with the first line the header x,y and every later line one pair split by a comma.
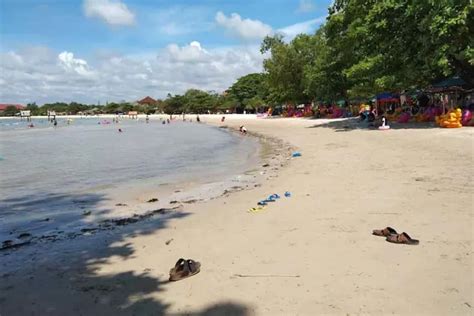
x,y
249,92
368,46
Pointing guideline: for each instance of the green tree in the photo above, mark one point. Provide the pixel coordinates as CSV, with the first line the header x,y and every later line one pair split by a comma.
x,y
368,46
254,104
402,44
173,104
33,108
226,102
198,101
285,68
247,88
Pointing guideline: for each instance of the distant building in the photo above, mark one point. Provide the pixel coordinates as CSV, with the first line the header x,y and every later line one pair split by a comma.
x,y
147,101
3,106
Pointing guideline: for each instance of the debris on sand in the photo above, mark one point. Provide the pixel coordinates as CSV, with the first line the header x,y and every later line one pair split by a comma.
x,y
24,236
10,244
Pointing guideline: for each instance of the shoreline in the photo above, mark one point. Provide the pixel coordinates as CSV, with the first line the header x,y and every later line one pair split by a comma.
x,y
290,257
134,207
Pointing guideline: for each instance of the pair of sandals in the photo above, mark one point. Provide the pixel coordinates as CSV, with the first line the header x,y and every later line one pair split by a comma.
x,y
184,269
394,237
271,198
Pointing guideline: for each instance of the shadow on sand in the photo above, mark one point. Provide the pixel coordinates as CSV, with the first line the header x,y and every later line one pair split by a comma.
x,y
64,277
350,124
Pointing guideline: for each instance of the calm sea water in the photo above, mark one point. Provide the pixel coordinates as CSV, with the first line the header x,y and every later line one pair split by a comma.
x,y
44,168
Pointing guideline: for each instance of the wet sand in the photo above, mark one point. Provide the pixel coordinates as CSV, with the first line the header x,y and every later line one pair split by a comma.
x,y
310,254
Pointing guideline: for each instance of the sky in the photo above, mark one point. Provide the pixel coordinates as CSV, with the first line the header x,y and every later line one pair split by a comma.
x,y
95,51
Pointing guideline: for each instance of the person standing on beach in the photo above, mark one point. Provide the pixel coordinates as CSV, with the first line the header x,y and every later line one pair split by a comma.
x,y
198,119
147,119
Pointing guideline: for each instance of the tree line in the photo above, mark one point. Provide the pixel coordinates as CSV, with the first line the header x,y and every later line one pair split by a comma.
x,y
364,47
246,94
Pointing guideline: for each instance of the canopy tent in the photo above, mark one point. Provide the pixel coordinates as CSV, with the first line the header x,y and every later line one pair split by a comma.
x,y
455,81
453,84
387,97
452,90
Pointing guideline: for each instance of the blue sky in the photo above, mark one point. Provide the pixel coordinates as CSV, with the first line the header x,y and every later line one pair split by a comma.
x,y
86,50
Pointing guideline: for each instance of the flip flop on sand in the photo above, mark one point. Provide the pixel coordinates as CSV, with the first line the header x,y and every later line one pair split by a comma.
x,y
402,238
184,269
387,231
256,209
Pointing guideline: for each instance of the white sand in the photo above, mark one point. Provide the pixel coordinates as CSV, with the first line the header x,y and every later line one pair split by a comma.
x,y
311,254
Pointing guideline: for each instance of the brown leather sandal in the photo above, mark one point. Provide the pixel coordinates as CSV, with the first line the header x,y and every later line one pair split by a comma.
x,y
402,238
184,269
387,231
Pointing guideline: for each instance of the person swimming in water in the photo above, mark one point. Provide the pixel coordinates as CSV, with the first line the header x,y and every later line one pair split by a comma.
x,y
120,130
242,129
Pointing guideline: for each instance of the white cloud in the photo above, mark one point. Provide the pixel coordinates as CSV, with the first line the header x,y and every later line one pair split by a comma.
x,y
306,27
113,12
69,63
44,76
305,6
191,53
245,29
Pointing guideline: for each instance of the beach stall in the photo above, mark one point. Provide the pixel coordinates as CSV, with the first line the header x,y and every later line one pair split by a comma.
x,y
455,97
25,114
390,105
132,114
51,116
451,92
388,99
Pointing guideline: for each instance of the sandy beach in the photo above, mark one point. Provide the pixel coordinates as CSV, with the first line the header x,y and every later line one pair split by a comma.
x,y
309,254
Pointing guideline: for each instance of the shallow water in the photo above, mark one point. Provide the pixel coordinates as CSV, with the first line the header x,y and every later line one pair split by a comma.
x,y
47,171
